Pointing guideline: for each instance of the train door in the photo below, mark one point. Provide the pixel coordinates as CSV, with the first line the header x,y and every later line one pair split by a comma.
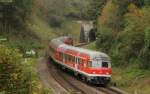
x,y
77,63
63,57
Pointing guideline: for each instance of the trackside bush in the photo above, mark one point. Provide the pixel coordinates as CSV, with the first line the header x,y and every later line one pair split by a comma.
x,y
145,52
105,39
12,79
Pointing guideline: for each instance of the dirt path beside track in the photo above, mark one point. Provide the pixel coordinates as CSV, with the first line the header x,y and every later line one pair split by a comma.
x,y
47,79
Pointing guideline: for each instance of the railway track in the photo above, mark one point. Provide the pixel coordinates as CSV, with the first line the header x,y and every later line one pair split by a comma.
x,y
111,90
71,84
57,75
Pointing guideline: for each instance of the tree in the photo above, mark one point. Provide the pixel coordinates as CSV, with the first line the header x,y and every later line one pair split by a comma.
x,y
12,79
132,43
20,12
145,52
107,24
147,2
78,9
95,9
121,34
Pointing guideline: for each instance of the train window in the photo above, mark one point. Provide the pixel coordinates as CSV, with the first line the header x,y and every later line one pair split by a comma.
x,y
73,58
70,58
89,64
105,64
83,60
60,54
65,55
79,60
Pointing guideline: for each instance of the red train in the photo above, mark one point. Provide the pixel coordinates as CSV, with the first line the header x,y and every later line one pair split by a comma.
x,y
92,66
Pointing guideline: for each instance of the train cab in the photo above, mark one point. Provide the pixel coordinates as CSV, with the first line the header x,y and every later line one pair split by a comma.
x,y
100,69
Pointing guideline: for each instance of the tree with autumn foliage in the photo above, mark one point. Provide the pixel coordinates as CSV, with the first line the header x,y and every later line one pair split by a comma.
x,y
124,34
12,78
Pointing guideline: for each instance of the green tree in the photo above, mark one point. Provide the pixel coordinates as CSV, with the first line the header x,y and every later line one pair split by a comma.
x,y
147,2
133,41
21,12
107,26
95,9
78,9
145,52
105,39
12,79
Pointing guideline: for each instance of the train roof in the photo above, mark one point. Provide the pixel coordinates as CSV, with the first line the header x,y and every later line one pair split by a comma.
x,y
55,43
58,41
91,53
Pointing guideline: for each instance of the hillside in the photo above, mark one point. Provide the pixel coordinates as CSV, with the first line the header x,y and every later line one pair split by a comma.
x,y
123,33
122,29
29,33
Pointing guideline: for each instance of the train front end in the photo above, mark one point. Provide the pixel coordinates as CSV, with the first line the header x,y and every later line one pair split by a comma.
x,y
100,69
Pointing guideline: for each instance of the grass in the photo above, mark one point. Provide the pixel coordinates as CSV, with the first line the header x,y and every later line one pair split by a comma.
x,y
132,79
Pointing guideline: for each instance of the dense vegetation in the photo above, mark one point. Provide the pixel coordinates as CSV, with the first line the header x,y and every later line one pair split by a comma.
x,y
123,32
13,79
18,74
69,10
25,28
16,12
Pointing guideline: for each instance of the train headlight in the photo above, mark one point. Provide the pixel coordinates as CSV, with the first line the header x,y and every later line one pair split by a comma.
x,y
107,73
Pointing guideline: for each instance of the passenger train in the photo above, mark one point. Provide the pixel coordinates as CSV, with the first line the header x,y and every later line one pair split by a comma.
x,y
92,66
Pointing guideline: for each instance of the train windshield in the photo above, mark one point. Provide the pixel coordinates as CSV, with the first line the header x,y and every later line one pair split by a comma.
x,y
96,64
99,63
105,65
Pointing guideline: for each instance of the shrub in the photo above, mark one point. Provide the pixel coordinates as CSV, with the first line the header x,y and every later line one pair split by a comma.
x,y
134,40
145,52
105,39
12,79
